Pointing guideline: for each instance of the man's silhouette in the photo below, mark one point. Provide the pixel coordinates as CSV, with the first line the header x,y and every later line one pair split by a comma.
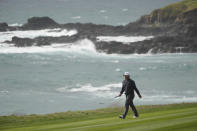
x,y
128,86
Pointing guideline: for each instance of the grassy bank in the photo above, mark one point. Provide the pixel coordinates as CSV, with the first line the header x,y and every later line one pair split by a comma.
x,y
179,7
156,117
172,11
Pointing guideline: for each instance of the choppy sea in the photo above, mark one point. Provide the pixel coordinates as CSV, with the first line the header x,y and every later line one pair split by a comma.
x,y
74,76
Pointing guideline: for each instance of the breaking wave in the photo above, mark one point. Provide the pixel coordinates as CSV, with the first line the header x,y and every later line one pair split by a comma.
x,y
100,91
15,24
81,46
84,46
168,99
76,17
90,88
111,90
56,32
103,11
123,39
125,9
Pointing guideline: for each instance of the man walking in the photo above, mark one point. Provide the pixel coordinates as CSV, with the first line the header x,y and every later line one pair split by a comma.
x,y
128,86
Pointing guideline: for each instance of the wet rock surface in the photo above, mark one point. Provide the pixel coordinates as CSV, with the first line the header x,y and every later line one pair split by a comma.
x,y
170,35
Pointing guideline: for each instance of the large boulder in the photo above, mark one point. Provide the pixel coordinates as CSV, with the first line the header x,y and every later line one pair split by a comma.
x,y
40,23
26,42
22,42
91,29
3,26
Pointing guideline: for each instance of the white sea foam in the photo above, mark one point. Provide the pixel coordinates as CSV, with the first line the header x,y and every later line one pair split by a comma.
x,y
150,51
122,23
117,69
190,92
76,17
148,68
116,61
15,24
111,90
90,88
57,32
102,11
124,39
4,92
168,98
125,9
142,68
84,46
61,89
100,91
105,17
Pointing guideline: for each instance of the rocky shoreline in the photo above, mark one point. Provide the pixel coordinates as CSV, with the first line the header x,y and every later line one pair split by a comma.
x,y
171,35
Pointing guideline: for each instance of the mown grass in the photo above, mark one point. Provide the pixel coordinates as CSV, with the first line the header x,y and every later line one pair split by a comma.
x,y
153,117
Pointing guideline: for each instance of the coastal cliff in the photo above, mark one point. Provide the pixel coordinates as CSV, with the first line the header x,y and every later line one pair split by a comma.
x,y
174,28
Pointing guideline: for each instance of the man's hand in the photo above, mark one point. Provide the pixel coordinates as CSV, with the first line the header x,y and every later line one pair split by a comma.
x,y
140,96
118,95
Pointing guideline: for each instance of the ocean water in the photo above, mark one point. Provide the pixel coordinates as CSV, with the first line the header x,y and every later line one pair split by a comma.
x,y
40,80
113,12
74,76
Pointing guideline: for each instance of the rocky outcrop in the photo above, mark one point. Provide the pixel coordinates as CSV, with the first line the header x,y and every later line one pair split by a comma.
x,y
42,41
187,17
166,15
188,20
40,23
157,17
163,44
92,30
173,38
34,23
174,29
21,42
3,26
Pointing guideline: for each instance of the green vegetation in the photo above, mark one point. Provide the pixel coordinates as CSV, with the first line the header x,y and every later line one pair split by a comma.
x,y
173,10
174,117
190,4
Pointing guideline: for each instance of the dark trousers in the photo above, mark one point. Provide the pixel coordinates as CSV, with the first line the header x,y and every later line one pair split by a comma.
x,y
129,102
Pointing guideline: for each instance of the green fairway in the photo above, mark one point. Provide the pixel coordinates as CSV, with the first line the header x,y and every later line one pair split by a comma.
x,y
176,117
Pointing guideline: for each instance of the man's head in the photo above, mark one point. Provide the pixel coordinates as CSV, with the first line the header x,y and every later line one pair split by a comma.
x,y
126,75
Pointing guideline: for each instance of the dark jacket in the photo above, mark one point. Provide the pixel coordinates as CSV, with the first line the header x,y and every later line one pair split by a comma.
x,y
128,86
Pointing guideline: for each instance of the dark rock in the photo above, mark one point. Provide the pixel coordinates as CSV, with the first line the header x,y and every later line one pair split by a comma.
x,y
40,23
174,32
42,43
162,44
89,29
3,26
187,17
22,42
171,38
